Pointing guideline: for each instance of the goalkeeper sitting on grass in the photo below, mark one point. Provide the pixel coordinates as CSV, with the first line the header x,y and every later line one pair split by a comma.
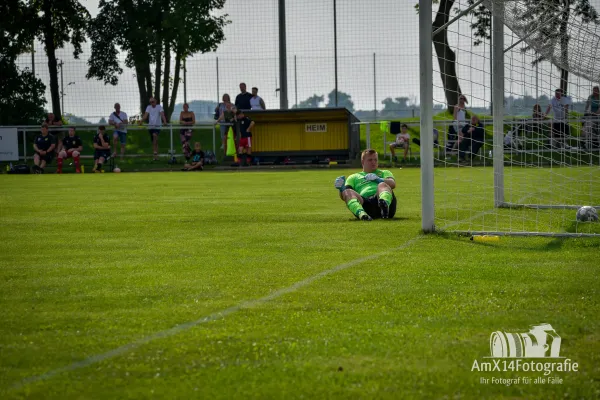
x,y
369,194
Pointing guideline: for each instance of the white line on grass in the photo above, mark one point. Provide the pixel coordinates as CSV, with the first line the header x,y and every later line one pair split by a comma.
x,y
212,317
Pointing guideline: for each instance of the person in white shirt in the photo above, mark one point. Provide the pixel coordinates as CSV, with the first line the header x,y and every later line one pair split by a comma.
x,y
155,115
402,141
460,117
119,120
560,108
256,102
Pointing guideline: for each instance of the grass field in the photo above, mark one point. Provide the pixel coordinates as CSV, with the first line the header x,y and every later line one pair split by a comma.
x,y
262,285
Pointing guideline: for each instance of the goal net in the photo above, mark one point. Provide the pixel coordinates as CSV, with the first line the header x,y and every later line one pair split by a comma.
x,y
534,159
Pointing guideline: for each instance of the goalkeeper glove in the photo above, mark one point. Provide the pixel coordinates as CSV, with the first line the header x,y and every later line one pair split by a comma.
x,y
373,178
340,183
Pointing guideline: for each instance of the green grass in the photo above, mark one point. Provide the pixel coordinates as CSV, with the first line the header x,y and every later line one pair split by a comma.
x,y
89,263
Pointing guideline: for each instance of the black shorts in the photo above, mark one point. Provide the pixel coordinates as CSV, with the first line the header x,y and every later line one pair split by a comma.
x,y
152,132
48,157
101,153
561,129
371,206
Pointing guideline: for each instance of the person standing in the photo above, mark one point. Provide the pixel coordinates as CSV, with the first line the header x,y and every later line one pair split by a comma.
x,y
460,117
591,125
119,120
72,147
225,119
256,102
186,118
560,108
155,115
43,145
242,100
245,126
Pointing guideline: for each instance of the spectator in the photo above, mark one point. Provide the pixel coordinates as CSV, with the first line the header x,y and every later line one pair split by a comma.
x,y
473,136
402,141
119,120
197,156
72,147
370,193
537,113
51,121
155,115
560,107
101,149
256,102
186,118
43,146
245,127
242,100
226,115
460,117
591,125
536,117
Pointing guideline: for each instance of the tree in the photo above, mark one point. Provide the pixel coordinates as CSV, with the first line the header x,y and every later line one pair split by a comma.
x,y
344,100
153,32
21,93
445,55
75,120
57,23
394,107
554,33
312,102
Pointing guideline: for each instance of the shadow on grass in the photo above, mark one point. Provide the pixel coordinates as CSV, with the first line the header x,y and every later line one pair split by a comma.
x,y
546,244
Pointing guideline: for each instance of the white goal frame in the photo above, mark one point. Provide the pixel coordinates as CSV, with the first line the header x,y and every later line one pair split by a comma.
x,y
427,125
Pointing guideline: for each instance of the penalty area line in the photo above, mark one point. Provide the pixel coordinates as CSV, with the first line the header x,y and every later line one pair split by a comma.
x,y
211,317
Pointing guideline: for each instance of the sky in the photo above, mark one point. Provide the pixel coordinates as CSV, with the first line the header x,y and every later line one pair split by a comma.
x,y
377,46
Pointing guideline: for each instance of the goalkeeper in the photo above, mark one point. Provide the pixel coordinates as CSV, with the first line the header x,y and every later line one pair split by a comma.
x,y
369,194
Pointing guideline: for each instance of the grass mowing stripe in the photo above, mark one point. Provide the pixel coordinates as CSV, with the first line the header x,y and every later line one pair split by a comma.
x,y
212,317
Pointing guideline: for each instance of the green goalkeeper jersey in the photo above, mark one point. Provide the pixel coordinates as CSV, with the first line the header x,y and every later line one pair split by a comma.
x,y
367,188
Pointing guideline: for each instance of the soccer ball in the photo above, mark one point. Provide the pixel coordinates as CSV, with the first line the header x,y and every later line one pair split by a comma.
x,y
587,214
117,169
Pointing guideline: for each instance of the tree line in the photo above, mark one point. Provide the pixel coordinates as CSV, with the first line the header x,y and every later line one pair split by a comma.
x,y
151,34
154,33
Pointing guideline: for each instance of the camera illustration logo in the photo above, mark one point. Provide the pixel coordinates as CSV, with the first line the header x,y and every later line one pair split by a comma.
x,y
541,341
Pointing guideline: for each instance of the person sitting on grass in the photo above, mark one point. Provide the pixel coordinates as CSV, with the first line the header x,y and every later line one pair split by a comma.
x,y
43,145
72,147
402,141
197,159
473,138
370,193
101,149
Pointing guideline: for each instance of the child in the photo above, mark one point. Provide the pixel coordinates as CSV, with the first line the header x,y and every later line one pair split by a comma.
x,y
402,141
197,159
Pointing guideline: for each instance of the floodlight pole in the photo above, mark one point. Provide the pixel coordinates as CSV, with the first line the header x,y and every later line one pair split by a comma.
x,y
283,100
426,85
335,52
